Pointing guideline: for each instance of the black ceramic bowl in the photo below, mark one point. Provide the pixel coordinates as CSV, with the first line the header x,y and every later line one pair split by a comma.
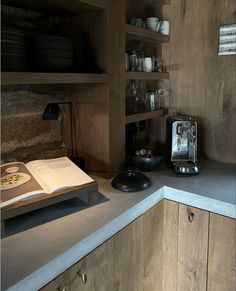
x,y
147,164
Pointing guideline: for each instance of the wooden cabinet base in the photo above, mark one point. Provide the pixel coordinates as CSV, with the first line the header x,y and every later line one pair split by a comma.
x,y
171,247
222,254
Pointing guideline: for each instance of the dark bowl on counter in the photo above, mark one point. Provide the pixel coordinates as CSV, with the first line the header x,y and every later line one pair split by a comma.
x,y
147,164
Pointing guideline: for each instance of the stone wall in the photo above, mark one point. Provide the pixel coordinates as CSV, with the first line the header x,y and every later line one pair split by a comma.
x,y
24,135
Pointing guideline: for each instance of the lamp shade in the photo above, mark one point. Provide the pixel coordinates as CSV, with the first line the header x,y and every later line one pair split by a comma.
x,y
51,112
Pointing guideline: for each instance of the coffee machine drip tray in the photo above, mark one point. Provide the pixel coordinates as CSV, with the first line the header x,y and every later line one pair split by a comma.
x,y
186,168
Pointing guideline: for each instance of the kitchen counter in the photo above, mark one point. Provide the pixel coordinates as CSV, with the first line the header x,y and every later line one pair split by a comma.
x,y
42,244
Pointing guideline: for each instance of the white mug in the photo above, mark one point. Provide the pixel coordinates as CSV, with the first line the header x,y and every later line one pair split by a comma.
x,y
147,65
165,27
153,23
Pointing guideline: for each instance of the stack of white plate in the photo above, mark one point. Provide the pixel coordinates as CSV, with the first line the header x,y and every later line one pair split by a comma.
x,y
13,49
53,53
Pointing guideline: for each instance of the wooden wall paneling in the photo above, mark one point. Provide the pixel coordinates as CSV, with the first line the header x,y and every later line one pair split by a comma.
x,y
116,69
192,249
98,269
222,254
134,9
203,83
91,123
128,257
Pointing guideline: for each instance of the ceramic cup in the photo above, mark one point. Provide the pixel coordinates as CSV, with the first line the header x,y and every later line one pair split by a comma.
x,y
147,64
153,23
165,27
137,22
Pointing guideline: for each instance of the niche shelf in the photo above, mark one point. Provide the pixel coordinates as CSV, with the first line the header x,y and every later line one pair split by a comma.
x,y
146,76
145,115
144,35
20,78
61,7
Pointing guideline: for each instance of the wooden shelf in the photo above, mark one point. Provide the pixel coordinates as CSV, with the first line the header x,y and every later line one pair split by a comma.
x,y
146,76
145,115
144,35
156,3
58,7
20,78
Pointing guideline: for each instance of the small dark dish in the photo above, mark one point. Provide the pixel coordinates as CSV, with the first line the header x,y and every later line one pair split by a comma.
x,y
131,181
147,164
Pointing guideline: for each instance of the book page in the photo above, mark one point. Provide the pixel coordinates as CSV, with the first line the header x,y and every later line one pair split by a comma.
x,y
60,173
17,184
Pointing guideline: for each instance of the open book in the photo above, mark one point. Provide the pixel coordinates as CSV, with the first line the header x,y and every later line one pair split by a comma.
x,y
21,181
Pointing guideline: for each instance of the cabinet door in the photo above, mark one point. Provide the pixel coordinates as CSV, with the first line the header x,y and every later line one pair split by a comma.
x,y
128,257
58,284
192,248
153,248
94,272
222,254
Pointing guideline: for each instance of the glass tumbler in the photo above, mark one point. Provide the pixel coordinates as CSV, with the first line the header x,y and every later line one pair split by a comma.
x,y
133,61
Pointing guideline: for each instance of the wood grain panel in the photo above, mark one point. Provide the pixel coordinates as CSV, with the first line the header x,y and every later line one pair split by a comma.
x,y
222,254
116,68
62,6
170,245
128,257
202,83
192,249
58,283
19,78
153,246
98,268
91,124
145,115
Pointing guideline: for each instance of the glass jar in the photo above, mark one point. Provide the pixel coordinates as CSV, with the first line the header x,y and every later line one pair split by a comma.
x,y
134,97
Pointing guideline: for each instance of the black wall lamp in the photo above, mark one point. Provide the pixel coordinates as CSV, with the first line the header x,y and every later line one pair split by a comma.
x,y
52,112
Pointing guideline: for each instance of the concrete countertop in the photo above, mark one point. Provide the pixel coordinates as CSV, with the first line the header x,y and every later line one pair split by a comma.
x,y
42,244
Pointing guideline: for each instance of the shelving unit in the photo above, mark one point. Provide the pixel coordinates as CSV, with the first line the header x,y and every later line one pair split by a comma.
x,y
145,115
20,78
88,92
99,99
152,44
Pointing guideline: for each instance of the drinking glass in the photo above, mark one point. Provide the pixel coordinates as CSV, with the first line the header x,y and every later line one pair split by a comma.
x,y
133,61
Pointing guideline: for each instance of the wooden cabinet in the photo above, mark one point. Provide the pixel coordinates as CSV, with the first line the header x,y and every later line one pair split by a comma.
x,y
192,248
94,272
222,254
172,247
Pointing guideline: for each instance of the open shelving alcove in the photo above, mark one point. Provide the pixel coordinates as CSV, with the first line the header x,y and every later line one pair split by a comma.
x,y
89,92
152,44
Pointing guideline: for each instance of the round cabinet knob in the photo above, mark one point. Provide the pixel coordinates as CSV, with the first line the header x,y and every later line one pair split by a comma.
x,y
190,217
62,289
82,276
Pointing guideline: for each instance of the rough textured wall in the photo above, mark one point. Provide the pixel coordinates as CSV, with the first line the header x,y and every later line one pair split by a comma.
x,y
24,135
202,83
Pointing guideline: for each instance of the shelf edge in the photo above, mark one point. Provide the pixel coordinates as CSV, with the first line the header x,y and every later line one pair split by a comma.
x,y
23,78
145,115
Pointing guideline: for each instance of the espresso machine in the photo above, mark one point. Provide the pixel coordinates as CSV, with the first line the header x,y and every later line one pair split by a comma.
x,y
181,137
